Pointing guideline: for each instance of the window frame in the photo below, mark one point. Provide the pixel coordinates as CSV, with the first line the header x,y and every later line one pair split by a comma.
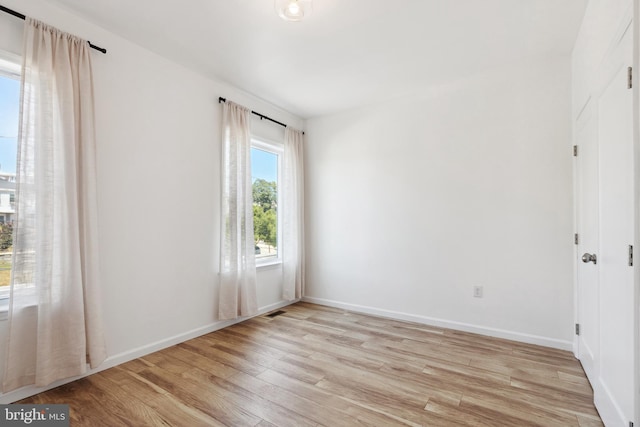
x,y
10,67
276,148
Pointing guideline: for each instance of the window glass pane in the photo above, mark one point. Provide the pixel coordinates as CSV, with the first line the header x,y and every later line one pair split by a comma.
x,y
264,175
9,113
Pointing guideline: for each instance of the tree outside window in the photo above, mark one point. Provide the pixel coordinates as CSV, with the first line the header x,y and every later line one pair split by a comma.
x,y
264,165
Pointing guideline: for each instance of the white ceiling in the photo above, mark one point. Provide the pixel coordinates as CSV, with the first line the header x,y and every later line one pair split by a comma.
x,y
349,53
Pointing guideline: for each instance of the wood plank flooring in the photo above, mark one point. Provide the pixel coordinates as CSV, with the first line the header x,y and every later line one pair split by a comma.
x,y
319,366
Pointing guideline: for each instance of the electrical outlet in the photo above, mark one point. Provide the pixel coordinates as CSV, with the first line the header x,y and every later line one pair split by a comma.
x,y
477,291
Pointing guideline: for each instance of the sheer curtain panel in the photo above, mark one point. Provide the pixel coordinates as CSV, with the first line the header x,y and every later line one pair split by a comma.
x,y
238,295
293,215
55,326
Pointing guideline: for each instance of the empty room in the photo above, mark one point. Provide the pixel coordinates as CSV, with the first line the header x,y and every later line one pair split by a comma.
x,y
319,213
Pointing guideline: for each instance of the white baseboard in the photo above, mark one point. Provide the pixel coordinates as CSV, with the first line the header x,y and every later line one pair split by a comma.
x,y
449,324
607,406
608,409
135,353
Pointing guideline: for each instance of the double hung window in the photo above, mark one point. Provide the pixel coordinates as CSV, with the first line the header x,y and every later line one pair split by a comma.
x,y
9,121
266,161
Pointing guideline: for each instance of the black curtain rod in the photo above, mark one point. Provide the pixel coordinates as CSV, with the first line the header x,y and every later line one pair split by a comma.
x,y
262,116
23,17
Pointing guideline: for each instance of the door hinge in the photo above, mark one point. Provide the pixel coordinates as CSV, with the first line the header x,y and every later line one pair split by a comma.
x,y
630,255
629,77
575,151
577,329
575,239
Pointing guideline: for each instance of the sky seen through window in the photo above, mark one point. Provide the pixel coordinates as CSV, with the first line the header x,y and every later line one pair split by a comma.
x,y
9,116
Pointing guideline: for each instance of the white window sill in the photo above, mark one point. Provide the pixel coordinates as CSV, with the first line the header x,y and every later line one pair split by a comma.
x,y
4,309
269,264
29,299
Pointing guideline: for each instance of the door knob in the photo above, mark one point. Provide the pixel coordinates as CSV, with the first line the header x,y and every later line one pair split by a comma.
x,y
589,258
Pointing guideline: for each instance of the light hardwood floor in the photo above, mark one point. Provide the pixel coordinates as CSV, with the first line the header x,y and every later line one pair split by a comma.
x,y
319,366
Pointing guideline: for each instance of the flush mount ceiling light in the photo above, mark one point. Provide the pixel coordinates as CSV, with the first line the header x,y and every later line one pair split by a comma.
x,y
293,10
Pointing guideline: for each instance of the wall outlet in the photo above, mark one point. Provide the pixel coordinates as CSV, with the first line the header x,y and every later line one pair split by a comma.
x,y
477,291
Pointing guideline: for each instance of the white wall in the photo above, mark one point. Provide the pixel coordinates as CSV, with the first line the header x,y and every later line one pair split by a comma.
x,y
158,136
411,203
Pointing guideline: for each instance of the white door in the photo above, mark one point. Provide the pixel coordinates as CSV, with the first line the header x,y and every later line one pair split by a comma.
x,y
606,291
587,190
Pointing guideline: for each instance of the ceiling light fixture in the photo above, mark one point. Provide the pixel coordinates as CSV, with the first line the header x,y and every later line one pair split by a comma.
x,y
293,10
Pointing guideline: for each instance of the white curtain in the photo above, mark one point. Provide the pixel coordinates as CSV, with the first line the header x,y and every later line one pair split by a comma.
x,y
293,215
238,296
55,321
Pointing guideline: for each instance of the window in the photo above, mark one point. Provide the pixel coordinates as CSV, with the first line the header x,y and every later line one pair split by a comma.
x,y
265,171
9,116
